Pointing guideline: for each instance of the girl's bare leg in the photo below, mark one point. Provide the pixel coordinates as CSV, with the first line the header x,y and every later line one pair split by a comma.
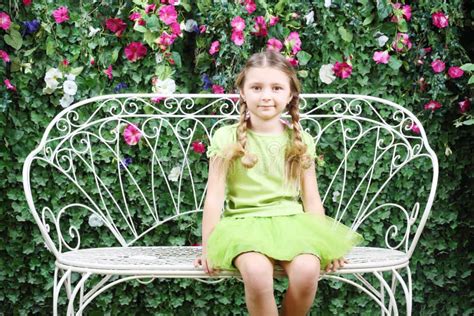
x,y
257,272
303,274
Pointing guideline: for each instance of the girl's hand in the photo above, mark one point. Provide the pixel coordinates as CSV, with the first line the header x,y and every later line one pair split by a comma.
x,y
202,261
336,264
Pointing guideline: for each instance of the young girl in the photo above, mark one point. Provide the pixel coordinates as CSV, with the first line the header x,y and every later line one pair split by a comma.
x,y
260,167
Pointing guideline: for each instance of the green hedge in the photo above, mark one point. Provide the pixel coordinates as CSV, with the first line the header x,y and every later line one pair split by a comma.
x,y
345,31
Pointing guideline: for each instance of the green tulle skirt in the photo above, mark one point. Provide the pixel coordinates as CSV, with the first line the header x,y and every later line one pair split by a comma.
x,y
279,237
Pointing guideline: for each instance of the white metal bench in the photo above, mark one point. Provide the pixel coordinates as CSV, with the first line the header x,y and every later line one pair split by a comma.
x,y
367,145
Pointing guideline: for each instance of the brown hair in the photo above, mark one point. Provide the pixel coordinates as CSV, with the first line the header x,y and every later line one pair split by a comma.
x,y
295,155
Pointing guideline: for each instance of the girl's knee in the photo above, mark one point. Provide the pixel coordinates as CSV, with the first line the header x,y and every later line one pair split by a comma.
x,y
257,271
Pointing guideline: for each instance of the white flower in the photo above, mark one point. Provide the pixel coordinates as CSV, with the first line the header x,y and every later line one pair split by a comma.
x,y
158,58
66,100
70,77
381,40
51,78
70,87
327,3
95,221
190,25
309,18
335,194
326,74
174,174
167,86
93,31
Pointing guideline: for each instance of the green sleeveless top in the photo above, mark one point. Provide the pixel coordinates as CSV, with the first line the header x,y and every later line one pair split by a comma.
x,y
259,191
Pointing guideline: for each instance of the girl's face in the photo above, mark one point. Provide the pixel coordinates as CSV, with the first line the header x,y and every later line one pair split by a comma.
x,y
267,92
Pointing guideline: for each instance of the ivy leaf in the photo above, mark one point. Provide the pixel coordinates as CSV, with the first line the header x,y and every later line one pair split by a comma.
x,y
402,26
394,63
14,39
383,9
368,19
303,57
177,59
50,47
345,34
467,67
76,71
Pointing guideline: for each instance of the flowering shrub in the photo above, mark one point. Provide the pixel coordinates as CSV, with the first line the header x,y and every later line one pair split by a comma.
x,y
53,53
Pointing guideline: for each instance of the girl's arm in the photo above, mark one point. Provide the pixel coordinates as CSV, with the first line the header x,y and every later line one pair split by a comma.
x,y
310,193
214,200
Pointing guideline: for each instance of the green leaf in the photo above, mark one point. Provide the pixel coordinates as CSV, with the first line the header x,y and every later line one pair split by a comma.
x,y
177,59
149,38
402,26
471,80
13,39
50,47
345,34
468,122
115,53
153,23
76,71
383,9
467,67
29,52
303,57
394,63
368,19
139,28
303,73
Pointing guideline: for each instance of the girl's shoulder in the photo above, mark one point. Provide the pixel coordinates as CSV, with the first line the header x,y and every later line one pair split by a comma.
x,y
226,133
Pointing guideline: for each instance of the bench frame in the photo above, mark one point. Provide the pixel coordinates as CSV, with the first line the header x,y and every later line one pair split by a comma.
x,y
177,261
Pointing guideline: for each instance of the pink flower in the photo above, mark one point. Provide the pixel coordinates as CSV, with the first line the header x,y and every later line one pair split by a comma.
x,y
108,72
9,85
401,42
165,40
260,27
381,57
199,147
293,61
4,56
414,128
455,72
132,134
273,20
439,20
432,105
438,65
27,2
175,28
150,8
250,6
237,37
275,44
464,105
116,25
134,16
61,15
168,14
157,99
202,29
293,42
238,24
214,47
217,89
342,70
5,21
92,62
135,51
400,11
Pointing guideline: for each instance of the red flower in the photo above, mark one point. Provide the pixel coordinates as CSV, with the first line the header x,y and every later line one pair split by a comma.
x,y
199,147
440,20
455,72
135,51
432,105
414,128
108,72
217,89
260,27
65,62
116,26
27,2
342,70
4,55
464,105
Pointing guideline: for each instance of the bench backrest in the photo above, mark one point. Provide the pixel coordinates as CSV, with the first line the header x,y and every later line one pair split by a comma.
x,y
378,176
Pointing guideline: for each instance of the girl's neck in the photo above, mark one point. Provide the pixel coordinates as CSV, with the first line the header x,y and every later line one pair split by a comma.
x,y
268,127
